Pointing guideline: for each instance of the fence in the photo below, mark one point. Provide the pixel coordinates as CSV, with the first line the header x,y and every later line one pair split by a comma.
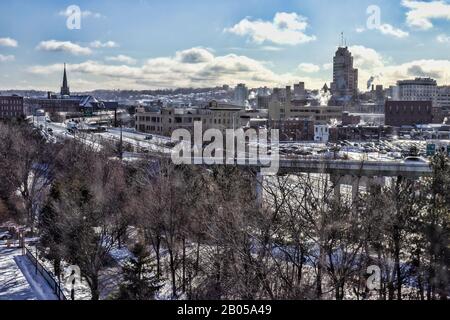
x,y
49,278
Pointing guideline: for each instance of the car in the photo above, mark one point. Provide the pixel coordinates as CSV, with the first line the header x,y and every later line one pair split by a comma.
x,y
149,137
171,144
414,159
5,235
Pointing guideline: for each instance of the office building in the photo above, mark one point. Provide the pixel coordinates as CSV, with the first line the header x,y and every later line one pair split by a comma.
x,y
419,89
345,76
240,94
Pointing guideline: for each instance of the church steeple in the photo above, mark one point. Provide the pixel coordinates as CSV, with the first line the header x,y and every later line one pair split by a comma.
x,y
65,91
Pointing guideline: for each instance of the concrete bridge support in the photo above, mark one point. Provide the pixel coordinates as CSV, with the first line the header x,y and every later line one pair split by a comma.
x,y
356,182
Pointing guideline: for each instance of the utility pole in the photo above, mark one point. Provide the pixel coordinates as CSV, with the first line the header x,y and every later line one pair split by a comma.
x,y
121,141
36,260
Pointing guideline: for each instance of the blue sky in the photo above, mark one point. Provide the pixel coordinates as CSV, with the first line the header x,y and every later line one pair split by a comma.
x,y
146,44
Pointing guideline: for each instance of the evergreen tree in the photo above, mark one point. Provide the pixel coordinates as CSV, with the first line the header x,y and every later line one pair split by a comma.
x,y
140,282
437,228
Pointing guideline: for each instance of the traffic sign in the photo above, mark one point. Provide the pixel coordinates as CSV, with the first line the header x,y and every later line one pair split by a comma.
x,y
431,150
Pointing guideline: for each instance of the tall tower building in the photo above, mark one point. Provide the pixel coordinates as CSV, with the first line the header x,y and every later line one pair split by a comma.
x,y
65,91
345,77
240,94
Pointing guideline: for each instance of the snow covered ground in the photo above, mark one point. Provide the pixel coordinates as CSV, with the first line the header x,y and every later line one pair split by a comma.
x,y
18,280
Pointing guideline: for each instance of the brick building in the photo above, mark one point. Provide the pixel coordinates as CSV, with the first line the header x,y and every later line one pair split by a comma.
x,y
294,129
409,113
11,107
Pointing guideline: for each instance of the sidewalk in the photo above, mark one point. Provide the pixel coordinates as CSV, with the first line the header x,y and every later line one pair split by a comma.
x,y
18,280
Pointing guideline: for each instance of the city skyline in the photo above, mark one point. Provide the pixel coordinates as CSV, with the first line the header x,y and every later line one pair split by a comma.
x,y
274,44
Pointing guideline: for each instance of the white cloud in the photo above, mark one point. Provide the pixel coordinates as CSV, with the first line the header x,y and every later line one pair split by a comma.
x,y
84,14
418,68
388,29
195,67
122,59
443,38
108,44
421,13
8,42
308,67
7,58
327,66
194,55
285,29
271,48
63,46
366,58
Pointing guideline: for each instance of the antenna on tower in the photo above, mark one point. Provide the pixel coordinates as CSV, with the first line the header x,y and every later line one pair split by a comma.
x,y
342,39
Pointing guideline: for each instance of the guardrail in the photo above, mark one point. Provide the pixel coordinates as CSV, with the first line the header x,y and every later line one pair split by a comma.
x,y
48,276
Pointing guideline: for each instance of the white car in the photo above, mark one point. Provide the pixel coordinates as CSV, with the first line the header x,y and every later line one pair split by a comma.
x,y
413,159
5,235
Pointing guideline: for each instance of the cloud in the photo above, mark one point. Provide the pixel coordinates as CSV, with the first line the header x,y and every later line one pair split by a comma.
x,y
327,66
270,48
63,46
195,67
443,38
308,67
194,55
8,42
84,14
421,13
6,58
108,44
419,68
121,58
285,29
366,58
386,29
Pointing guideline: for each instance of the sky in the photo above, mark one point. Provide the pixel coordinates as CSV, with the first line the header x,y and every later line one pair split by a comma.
x,y
150,44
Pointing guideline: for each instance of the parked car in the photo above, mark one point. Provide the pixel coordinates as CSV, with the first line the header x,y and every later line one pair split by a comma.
x,y
5,235
415,160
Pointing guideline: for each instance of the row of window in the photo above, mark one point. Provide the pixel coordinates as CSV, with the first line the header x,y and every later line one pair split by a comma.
x,y
179,120
11,102
10,108
418,109
10,114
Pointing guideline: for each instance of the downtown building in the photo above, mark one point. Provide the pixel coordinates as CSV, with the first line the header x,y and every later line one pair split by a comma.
x,y
411,113
296,120
164,121
284,106
419,89
240,94
344,87
416,102
11,107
